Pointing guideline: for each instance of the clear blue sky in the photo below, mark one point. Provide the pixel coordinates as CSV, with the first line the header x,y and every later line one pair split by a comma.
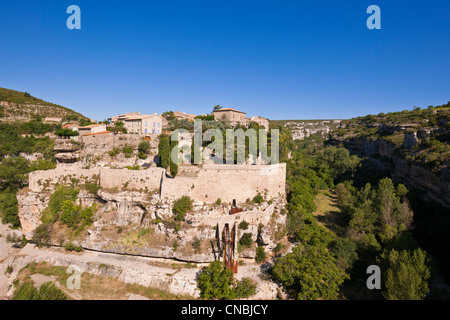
x,y
278,59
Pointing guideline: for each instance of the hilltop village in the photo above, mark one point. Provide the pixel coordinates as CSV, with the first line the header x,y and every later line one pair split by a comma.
x,y
108,199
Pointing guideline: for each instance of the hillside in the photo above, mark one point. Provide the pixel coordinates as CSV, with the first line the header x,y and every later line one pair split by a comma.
x,y
412,145
302,129
16,105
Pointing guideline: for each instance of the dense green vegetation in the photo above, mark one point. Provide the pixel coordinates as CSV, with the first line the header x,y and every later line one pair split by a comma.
x,y
47,291
14,168
62,207
164,151
66,133
181,206
377,221
217,282
430,126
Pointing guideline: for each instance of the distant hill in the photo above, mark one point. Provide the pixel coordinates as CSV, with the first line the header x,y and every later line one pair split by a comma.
x,y
302,129
17,105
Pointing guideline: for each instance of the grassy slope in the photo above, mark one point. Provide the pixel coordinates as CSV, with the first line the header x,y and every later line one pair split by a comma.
x,y
22,98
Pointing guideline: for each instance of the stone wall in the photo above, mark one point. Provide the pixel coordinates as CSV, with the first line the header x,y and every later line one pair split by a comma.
x,y
210,182
229,182
131,179
45,180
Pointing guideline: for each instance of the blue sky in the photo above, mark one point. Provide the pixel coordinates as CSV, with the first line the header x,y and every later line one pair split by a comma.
x,y
278,59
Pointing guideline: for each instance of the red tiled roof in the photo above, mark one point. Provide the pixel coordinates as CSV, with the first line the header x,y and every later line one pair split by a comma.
x,y
69,125
228,109
102,132
91,126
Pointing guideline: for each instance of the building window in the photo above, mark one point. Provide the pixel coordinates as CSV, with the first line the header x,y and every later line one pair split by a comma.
x,y
154,124
146,131
145,123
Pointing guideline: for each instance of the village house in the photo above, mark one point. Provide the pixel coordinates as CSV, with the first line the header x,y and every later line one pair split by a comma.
x,y
230,115
93,128
237,117
71,126
122,117
182,115
260,120
145,124
52,119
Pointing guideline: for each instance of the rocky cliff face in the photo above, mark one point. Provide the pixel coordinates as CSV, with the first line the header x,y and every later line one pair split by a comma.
x,y
302,129
142,224
436,186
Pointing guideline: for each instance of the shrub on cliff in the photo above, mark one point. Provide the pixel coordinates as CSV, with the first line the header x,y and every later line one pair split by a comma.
x,y
52,213
181,206
246,240
258,199
243,225
144,146
260,255
127,151
41,235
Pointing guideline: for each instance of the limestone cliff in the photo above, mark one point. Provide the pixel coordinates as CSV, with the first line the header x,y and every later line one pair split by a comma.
x,y
142,223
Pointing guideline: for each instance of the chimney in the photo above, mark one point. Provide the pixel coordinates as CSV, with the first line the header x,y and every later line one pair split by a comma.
x,y
139,113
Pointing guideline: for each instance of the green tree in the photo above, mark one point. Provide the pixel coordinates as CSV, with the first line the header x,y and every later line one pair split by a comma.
x,y
309,273
216,282
144,146
66,133
13,172
8,208
345,251
173,164
407,274
260,256
164,151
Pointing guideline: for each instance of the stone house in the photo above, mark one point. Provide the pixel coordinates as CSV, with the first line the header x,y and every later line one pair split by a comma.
x,y
230,115
71,126
93,128
260,120
52,119
236,117
122,117
182,115
144,124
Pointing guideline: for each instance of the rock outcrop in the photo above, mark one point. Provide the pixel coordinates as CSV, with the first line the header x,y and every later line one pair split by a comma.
x,y
303,129
147,228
